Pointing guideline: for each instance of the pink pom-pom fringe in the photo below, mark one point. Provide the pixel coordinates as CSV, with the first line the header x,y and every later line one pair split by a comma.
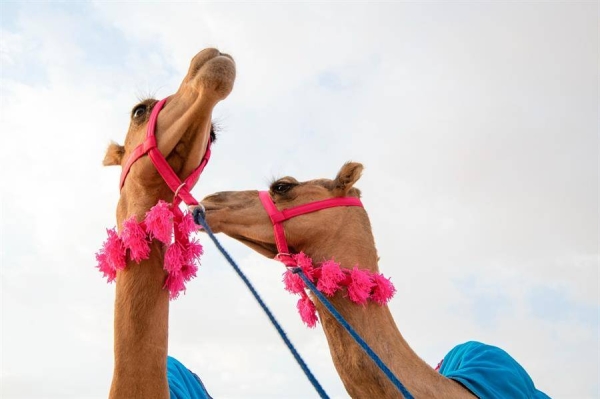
x,y
308,311
188,271
194,251
159,222
362,285
187,225
135,239
181,257
293,282
359,289
331,277
175,283
306,264
173,258
383,290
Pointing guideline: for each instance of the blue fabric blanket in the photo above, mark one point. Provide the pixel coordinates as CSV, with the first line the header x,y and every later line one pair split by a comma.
x,y
183,384
485,370
489,372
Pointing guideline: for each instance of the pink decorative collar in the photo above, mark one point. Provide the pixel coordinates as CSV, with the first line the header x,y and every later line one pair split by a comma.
x,y
361,285
169,226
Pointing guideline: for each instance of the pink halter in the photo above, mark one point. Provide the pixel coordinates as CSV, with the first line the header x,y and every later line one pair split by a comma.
x,y
164,222
277,217
361,284
149,146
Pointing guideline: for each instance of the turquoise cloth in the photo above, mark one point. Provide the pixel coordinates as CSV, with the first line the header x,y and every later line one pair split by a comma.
x,y
183,384
488,372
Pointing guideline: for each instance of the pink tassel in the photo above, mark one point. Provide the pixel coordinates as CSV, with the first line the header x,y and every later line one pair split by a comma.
x,y
331,276
193,251
308,311
111,256
181,257
188,271
174,284
293,283
360,287
306,264
159,222
173,258
187,225
134,238
104,266
383,290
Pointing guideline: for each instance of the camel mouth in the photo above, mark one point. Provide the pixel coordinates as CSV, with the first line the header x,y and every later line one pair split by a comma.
x,y
220,57
208,208
214,70
207,55
264,248
204,212
226,56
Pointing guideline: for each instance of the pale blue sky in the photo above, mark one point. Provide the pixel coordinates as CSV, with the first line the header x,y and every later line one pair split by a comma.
x,y
477,124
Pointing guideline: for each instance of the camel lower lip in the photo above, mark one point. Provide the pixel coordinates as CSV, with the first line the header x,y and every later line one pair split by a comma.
x,y
226,56
209,56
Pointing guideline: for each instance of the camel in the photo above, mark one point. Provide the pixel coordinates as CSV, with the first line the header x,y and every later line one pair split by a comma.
x,y
183,133
343,233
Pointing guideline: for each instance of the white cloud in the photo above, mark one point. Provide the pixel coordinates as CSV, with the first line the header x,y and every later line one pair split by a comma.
x,y
476,125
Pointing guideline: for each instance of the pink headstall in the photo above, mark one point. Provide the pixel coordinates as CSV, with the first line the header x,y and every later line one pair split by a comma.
x,y
149,146
277,217
362,285
164,222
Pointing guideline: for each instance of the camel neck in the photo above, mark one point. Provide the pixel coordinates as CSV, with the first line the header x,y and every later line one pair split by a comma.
x,y
141,328
374,323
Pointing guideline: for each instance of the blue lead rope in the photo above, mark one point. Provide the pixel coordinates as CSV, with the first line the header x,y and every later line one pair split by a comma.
x,y
199,219
361,342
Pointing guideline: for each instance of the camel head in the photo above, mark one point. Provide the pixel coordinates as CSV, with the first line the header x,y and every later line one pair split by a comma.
x,y
339,236
183,130
242,216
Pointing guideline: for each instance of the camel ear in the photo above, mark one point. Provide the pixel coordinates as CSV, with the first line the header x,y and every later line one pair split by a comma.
x,y
346,177
114,154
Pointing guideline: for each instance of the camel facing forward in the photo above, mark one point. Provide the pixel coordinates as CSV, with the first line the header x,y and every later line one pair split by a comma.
x,y
343,233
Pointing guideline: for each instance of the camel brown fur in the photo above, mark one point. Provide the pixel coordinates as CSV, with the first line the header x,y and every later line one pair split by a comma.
x,y
344,234
141,305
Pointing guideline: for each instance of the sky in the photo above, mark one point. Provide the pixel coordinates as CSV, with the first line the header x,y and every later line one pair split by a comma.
x,y
477,124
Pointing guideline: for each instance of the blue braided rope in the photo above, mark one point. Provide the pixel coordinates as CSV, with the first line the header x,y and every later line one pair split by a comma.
x,y
199,219
353,334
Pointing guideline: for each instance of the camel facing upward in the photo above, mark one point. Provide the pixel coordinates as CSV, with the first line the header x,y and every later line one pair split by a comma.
x,y
183,132
343,233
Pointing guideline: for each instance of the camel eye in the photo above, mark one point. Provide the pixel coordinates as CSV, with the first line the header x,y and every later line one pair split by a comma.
x,y
138,111
281,188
